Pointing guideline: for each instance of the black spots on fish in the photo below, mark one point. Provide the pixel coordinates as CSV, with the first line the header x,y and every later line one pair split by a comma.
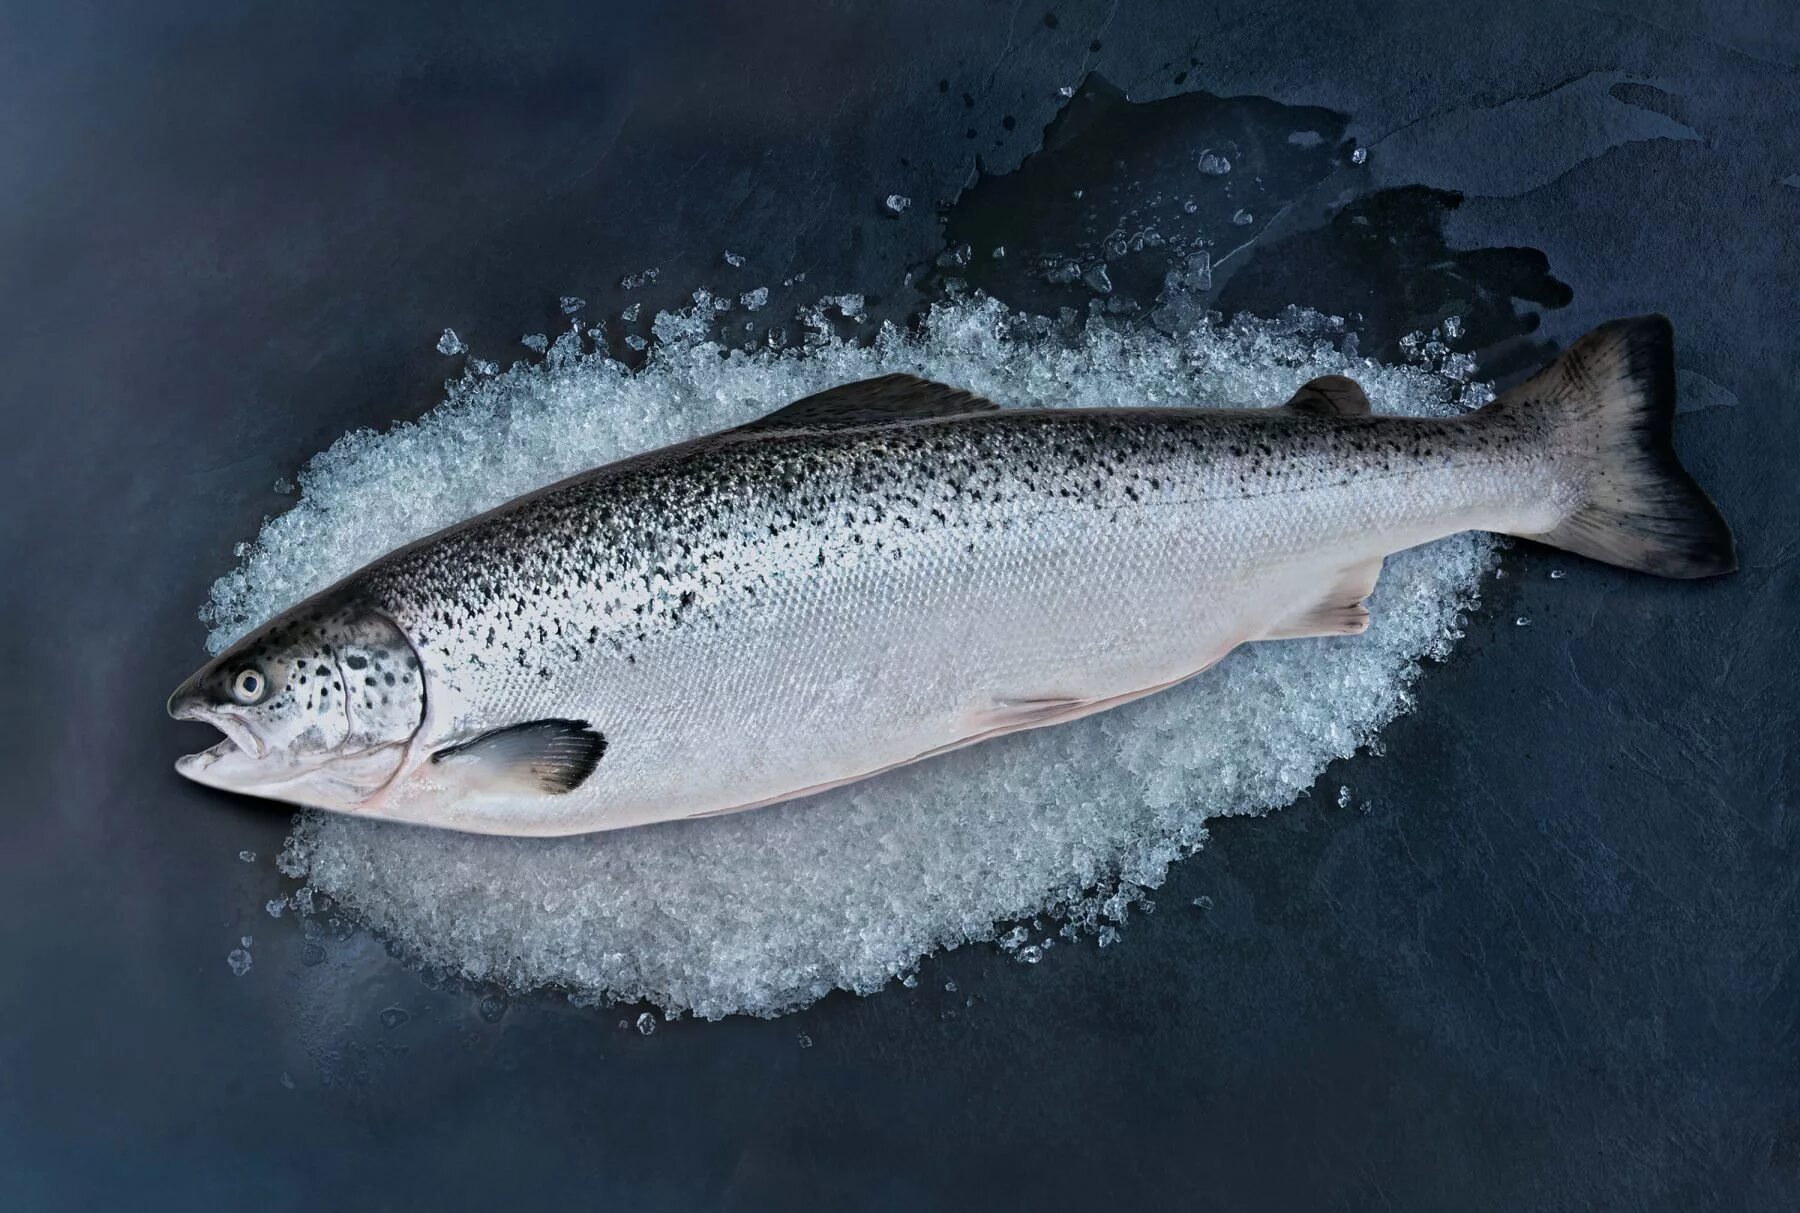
x,y
356,661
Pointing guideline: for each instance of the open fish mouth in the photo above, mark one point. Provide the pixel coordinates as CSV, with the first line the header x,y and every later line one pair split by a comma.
x,y
239,738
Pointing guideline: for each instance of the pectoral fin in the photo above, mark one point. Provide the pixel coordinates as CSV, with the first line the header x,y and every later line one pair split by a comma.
x,y
546,757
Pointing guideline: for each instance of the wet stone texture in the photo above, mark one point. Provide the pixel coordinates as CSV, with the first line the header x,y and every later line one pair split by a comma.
x,y
1543,957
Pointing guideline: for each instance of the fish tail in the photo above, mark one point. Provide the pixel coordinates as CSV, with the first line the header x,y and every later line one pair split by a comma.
x,y
1610,400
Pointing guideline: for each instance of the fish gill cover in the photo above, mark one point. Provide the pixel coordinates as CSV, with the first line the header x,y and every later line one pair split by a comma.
x,y
766,911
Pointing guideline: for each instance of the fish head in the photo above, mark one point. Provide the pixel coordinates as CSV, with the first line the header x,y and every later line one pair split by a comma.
x,y
317,707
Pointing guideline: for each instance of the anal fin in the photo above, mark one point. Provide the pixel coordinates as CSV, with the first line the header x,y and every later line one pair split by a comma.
x,y
543,757
1339,611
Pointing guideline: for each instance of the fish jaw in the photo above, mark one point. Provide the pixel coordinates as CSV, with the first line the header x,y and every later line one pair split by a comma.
x,y
243,762
346,783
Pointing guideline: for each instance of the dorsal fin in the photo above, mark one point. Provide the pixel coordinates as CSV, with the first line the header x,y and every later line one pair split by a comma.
x,y
873,402
1330,396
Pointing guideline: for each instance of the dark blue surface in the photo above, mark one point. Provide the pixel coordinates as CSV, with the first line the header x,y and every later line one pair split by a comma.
x,y
1552,966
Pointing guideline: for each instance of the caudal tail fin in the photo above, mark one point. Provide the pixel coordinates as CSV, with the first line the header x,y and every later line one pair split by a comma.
x,y
1611,398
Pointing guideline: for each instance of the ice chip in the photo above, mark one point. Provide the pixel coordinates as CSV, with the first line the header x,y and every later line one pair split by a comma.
x,y
535,341
450,343
955,258
637,342
756,300
733,259
571,304
1242,218
1066,91
1343,796
238,959
804,1041
897,203
1213,164
1359,155
646,1024
1096,279
247,856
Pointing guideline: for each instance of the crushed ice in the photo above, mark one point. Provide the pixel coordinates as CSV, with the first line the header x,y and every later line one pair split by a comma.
x,y
767,911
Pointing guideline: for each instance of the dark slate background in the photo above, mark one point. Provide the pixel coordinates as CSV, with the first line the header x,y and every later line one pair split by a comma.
x,y
1552,965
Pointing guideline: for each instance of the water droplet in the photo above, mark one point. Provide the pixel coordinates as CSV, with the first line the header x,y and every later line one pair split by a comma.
x,y
1343,796
949,987
805,1041
239,960
1213,164
1066,90
393,1017
733,259
247,856
1522,621
1557,574
1203,902
1243,218
646,1024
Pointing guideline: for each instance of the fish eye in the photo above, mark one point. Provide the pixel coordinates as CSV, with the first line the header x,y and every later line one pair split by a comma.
x,y
248,685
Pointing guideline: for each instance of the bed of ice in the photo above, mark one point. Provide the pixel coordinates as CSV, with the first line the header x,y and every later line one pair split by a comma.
x,y
769,910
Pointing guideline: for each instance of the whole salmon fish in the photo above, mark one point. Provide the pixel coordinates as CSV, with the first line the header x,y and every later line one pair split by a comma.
x,y
896,568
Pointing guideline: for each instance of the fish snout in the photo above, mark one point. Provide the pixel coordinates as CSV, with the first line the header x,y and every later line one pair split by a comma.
x,y
185,703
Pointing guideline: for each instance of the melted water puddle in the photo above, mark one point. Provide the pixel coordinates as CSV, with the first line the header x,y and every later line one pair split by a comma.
x,y
767,911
